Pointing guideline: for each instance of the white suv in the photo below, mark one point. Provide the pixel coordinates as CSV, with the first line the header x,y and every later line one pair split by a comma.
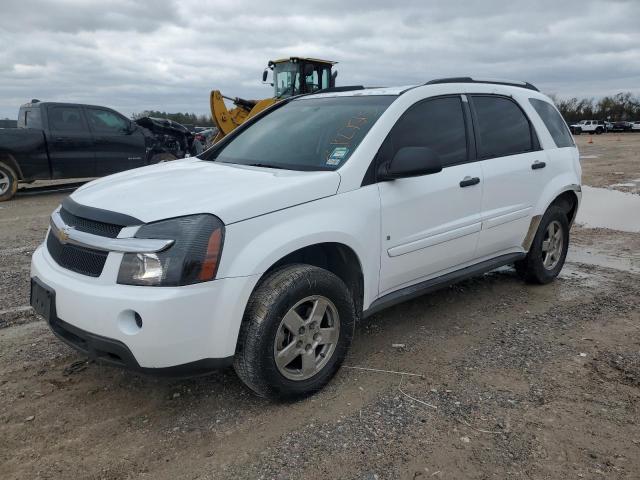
x,y
589,126
326,208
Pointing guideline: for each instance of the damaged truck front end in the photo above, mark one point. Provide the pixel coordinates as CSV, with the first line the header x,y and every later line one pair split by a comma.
x,y
166,139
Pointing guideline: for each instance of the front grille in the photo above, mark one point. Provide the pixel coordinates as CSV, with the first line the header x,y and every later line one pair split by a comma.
x,y
78,259
90,226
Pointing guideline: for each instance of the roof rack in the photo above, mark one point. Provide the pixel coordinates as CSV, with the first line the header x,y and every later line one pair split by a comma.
x,y
345,88
511,83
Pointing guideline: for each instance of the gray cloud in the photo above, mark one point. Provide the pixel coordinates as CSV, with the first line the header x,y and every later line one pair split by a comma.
x,y
167,55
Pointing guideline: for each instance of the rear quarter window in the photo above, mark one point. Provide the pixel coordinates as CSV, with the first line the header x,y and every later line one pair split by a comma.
x,y
29,118
554,122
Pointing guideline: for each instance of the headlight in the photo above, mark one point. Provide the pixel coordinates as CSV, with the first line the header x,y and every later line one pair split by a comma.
x,y
193,258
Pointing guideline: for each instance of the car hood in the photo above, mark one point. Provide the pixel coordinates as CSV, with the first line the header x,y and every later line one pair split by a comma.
x,y
189,186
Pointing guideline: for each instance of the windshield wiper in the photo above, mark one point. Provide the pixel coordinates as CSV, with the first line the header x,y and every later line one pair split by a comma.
x,y
265,165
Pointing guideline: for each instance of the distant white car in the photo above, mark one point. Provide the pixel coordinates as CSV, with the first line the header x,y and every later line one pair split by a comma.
x,y
636,126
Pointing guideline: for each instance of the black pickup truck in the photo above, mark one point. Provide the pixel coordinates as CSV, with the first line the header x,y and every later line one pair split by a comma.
x,y
69,140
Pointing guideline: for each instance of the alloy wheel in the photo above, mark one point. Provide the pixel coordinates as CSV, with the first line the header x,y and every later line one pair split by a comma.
x,y
552,245
307,338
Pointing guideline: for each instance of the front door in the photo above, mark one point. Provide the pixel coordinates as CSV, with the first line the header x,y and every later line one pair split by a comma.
x,y
118,145
430,223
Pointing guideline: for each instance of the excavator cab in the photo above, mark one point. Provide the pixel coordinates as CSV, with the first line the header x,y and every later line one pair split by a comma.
x,y
295,75
291,76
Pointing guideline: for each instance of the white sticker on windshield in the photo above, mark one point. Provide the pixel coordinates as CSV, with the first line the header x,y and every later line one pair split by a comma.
x,y
338,154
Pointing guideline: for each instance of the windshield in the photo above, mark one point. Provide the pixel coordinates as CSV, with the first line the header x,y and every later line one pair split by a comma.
x,y
306,134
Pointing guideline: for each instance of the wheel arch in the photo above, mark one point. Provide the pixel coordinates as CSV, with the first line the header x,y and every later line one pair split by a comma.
x,y
567,198
10,161
336,257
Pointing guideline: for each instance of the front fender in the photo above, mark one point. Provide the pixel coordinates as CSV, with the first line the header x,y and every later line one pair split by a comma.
x,y
353,219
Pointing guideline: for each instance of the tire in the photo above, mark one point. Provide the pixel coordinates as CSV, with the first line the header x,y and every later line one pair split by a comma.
x,y
8,182
599,131
264,332
532,268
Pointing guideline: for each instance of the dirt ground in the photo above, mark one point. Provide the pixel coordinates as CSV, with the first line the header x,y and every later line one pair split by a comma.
x,y
503,379
612,160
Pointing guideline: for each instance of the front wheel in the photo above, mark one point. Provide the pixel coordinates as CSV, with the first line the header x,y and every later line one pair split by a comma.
x,y
548,250
295,333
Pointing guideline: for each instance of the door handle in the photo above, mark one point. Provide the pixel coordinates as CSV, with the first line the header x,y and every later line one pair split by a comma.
x,y
538,165
469,181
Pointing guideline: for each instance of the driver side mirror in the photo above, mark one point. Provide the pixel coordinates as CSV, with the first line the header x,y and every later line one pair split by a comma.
x,y
265,74
411,162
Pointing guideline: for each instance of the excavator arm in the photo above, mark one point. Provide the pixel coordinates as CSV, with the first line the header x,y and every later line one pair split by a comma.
x,y
227,120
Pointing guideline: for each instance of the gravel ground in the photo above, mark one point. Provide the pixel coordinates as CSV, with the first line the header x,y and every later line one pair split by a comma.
x,y
501,379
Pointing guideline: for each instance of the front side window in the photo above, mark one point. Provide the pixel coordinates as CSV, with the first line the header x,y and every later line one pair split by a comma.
x,y
106,121
554,123
305,134
437,124
501,128
66,119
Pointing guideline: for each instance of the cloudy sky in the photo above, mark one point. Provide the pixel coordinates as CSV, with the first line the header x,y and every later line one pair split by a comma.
x,y
134,55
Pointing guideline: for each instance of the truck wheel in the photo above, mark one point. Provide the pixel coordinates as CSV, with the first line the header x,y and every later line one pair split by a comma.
x,y
548,249
296,331
599,131
8,182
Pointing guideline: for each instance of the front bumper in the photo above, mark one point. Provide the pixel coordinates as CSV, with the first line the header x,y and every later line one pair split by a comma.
x,y
190,328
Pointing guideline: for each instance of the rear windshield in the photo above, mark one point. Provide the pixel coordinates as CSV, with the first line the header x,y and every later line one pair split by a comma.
x,y
29,117
306,134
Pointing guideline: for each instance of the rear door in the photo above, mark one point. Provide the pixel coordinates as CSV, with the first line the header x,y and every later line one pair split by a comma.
x,y
70,142
119,145
513,167
430,223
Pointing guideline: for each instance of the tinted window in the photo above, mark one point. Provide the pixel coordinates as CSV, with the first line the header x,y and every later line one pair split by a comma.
x,y
437,124
66,118
306,134
29,118
502,128
554,123
106,121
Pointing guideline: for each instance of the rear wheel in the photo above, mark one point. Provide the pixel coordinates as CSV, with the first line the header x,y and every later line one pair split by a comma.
x,y
8,182
296,332
548,250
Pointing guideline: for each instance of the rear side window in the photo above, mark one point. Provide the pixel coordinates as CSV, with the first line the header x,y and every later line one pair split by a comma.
x,y
437,124
554,123
29,118
66,119
501,127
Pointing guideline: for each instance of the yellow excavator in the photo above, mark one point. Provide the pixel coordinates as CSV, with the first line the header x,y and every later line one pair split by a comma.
x,y
291,76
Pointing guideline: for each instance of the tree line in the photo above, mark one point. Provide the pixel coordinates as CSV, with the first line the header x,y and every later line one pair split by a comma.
x,y
621,106
183,118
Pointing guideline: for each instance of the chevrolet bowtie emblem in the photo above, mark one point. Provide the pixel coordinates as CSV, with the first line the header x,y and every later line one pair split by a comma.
x,y
62,234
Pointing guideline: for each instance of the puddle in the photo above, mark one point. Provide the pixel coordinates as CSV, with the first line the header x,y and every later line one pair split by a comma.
x,y
600,259
604,208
